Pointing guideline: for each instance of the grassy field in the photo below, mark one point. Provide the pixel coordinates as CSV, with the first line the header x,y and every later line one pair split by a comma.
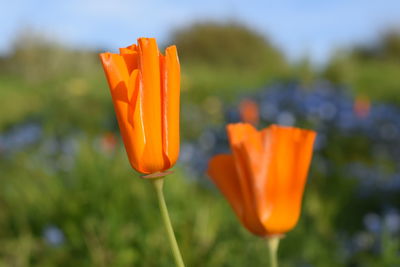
x,y
68,196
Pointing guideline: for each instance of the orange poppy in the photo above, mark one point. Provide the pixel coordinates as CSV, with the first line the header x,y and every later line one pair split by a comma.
x,y
264,177
362,106
249,111
145,89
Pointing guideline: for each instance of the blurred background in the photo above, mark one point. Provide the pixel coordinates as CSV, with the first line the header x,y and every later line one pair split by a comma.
x,y
68,196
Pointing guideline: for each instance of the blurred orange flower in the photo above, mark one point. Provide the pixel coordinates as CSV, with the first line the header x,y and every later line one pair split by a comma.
x,y
145,89
108,142
264,178
249,111
362,106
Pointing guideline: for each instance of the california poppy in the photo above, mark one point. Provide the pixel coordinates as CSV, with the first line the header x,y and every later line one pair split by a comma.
x,y
249,111
145,89
264,177
361,107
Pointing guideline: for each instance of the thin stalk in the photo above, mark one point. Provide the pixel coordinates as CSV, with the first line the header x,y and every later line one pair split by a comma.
x,y
158,186
273,243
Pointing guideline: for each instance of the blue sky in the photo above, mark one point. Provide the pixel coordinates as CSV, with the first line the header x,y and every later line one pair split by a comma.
x,y
298,27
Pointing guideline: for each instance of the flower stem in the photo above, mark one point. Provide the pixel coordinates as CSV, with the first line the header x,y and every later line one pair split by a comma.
x,y
158,186
273,243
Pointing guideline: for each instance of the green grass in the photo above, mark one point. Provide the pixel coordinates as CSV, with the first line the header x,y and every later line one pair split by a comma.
x,y
110,217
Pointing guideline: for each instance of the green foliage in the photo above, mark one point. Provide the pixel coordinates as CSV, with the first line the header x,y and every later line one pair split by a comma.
x,y
221,58
371,71
218,61
108,216
44,80
226,45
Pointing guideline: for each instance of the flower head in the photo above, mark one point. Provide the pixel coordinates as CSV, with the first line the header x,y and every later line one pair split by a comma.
x,y
145,89
264,177
249,111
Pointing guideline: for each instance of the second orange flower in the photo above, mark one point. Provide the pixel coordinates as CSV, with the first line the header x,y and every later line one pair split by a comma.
x,y
264,177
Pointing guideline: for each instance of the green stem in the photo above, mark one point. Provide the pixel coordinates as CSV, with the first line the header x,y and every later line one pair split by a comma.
x,y
273,243
158,186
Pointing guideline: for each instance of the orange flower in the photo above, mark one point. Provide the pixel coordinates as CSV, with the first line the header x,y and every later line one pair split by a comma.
x,y
264,177
144,86
249,111
361,107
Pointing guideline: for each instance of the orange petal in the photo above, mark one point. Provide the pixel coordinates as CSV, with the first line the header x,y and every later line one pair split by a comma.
x,y
131,61
241,138
129,49
135,119
280,192
116,73
222,171
131,57
150,100
238,132
170,90
124,91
